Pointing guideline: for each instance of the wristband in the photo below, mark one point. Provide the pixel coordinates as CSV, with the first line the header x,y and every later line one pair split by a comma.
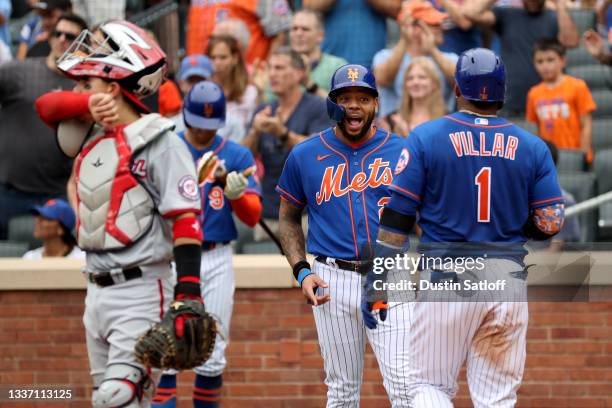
x,y
297,268
303,274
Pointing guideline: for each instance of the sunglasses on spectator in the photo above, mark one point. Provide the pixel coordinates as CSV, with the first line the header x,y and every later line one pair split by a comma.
x,y
68,36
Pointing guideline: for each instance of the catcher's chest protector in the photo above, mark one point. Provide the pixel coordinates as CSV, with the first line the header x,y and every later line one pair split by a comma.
x,y
114,209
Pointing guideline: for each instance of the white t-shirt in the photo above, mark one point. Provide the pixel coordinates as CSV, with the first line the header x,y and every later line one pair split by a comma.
x,y
37,254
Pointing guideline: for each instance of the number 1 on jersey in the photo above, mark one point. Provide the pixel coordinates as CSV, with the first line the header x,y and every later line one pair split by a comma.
x,y
483,182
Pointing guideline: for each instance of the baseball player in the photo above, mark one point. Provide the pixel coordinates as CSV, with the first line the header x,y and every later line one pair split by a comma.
x,y
474,178
341,176
137,199
223,189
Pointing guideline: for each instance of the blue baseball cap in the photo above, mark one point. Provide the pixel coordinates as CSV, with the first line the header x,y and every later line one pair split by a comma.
x,y
56,209
197,64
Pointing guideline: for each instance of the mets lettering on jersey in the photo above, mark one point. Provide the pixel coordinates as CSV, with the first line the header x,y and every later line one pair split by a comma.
x,y
343,188
474,179
216,217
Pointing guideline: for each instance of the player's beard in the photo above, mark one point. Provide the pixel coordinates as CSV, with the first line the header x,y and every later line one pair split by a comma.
x,y
365,130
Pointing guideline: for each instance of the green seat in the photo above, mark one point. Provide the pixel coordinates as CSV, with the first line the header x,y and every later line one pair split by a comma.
x,y
597,76
585,19
603,99
571,161
582,187
20,229
603,169
602,134
579,56
13,249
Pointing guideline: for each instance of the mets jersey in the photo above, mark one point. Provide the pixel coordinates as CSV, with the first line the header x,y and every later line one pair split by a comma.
x,y
216,217
474,179
343,188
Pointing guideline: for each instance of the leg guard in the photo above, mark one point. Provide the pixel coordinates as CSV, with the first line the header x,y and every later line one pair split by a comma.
x,y
122,386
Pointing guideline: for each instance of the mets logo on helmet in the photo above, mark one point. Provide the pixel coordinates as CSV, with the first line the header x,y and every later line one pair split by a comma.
x,y
353,74
483,93
208,109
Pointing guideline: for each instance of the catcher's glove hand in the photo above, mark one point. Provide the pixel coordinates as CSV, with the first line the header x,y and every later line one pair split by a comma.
x,y
184,339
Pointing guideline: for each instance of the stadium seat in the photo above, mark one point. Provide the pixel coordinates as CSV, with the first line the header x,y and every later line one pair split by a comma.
x,y
603,169
264,247
579,56
20,229
582,187
570,161
585,19
12,249
602,134
597,76
603,99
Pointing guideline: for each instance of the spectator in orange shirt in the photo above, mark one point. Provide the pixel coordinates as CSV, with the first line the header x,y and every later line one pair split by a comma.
x,y
267,20
560,105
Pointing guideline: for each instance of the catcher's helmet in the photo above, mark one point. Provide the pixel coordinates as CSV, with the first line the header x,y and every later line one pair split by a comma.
x,y
118,51
348,76
481,76
204,106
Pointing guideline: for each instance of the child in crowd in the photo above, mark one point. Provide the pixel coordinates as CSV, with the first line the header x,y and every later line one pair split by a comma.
x,y
560,105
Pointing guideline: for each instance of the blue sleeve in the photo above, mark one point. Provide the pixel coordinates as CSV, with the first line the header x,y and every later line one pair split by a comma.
x,y
243,161
290,183
5,9
545,189
409,174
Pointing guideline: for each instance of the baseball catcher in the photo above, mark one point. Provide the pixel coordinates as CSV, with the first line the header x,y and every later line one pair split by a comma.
x,y
137,204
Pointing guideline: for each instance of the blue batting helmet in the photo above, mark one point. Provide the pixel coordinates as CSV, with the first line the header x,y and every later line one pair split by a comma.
x,y
481,76
204,106
348,76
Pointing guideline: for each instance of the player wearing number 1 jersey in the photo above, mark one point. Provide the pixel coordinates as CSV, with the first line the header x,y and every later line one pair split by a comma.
x,y
229,187
481,186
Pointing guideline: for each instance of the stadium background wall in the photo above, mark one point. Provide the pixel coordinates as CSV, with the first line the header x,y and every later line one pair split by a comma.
x,y
274,359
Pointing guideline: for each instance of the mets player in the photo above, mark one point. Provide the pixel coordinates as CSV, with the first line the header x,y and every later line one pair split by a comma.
x,y
225,191
341,177
474,178
137,198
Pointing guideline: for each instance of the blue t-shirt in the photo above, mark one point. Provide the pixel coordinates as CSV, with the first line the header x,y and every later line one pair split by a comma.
x,y
5,10
308,117
343,188
216,217
518,31
475,179
354,31
391,96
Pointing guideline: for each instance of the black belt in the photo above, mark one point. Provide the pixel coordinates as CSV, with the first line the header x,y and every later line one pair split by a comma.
x,y
208,245
362,267
105,279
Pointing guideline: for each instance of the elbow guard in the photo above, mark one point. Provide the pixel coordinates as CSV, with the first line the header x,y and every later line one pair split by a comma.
x,y
544,222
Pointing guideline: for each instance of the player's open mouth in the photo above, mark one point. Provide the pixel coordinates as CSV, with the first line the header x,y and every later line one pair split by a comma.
x,y
353,124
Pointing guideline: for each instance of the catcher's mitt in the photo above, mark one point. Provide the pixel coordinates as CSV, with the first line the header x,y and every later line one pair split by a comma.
x,y
163,347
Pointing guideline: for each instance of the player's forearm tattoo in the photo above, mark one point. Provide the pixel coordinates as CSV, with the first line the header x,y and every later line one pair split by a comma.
x,y
291,234
392,238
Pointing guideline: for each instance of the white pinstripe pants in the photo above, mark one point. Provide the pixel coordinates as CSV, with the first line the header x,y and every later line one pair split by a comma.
x,y
342,336
489,336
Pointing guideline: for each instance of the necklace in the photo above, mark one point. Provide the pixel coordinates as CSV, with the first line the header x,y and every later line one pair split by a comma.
x,y
477,114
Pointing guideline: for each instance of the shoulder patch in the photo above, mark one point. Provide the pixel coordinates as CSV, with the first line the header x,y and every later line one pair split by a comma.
x,y
188,188
402,162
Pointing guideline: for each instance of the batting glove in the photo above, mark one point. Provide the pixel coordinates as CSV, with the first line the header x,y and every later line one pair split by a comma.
x,y
235,184
367,311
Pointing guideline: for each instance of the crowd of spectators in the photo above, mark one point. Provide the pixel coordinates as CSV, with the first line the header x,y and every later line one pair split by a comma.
x,y
274,60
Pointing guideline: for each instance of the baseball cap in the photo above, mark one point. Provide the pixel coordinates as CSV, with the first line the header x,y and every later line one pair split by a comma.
x,y
56,209
425,11
197,64
50,5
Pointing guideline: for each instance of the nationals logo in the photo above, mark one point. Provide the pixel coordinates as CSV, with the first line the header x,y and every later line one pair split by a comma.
x,y
380,174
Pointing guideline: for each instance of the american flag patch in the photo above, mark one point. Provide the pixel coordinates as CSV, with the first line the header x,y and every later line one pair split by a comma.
x,y
481,121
